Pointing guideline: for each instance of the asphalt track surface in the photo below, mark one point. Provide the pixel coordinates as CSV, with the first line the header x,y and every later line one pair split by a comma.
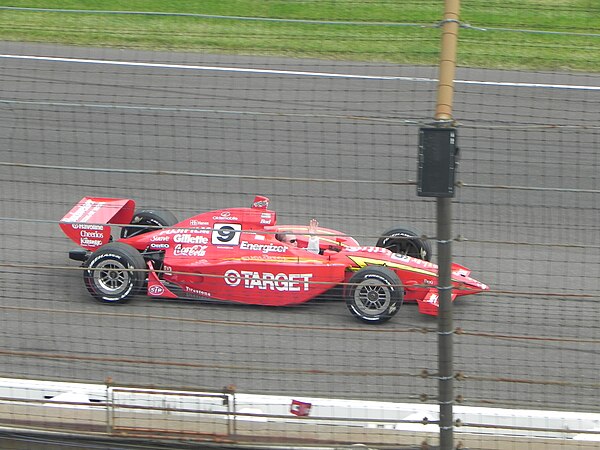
x,y
339,148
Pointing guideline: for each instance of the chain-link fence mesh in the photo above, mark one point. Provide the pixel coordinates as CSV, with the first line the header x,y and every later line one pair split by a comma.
x,y
319,110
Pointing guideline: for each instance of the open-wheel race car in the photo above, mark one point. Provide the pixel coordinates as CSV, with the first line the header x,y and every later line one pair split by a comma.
x,y
238,254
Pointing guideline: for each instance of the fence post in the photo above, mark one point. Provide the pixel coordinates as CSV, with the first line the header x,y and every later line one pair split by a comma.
x,y
443,116
110,406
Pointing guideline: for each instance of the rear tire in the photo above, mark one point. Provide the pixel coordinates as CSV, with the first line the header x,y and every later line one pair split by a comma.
x,y
114,273
406,241
155,218
375,294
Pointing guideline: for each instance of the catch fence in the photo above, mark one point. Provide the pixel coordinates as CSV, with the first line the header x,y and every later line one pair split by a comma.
x,y
324,133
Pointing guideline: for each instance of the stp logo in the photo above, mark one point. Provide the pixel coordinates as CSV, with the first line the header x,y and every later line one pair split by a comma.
x,y
156,290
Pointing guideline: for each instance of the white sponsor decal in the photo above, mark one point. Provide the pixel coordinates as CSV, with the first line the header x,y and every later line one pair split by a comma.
x,y
182,231
367,249
90,242
86,226
189,239
264,248
197,292
261,204
202,230
282,282
91,234
79,212
93,211
159,246
226,215
198,223
433,299
192,250
159,238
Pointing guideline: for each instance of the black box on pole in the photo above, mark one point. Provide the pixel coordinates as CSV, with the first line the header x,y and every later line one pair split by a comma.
x,y
438,156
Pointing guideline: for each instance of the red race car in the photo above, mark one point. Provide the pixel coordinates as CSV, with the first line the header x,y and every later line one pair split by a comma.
x,y
242,255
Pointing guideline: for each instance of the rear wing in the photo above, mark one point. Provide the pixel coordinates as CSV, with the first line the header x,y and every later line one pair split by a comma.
x,y
86,223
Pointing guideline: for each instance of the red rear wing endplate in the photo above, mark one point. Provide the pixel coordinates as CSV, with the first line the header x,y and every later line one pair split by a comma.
x,y
86,223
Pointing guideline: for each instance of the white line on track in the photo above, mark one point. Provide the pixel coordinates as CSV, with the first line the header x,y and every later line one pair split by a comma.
x,y
293,72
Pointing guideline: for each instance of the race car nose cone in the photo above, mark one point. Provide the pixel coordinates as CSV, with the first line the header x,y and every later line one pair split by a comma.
x,y
483,287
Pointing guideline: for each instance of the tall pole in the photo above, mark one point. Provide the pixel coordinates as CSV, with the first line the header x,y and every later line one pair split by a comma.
x,y
443,116
445,325
447,69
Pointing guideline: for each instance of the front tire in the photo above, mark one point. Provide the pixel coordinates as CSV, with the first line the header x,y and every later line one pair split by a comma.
x,y
375,294
406,241
114,273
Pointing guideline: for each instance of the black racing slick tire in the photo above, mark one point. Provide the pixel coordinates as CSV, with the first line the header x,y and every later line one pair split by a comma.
x,y
374,294
114,273
154,218
406,241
